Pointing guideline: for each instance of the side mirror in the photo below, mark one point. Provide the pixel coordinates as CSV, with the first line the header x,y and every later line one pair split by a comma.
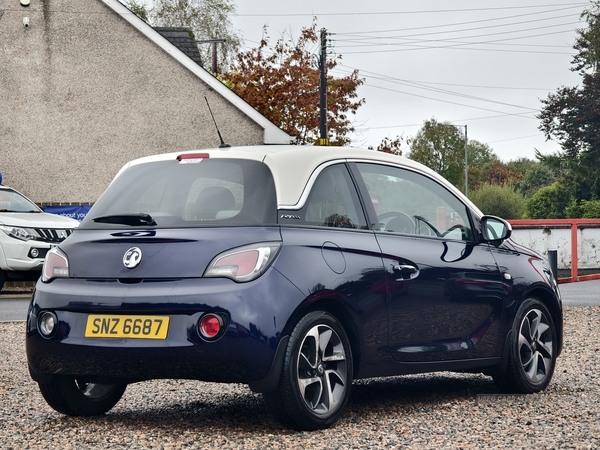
x,y
495,229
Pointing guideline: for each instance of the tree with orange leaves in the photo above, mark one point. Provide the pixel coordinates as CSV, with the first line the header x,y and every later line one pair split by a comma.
x,y
282,83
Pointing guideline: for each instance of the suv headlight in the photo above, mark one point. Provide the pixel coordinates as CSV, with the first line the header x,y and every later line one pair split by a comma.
x,y
24,234
56,265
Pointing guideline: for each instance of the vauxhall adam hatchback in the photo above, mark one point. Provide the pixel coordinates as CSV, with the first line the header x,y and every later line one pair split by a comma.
x,y
294,270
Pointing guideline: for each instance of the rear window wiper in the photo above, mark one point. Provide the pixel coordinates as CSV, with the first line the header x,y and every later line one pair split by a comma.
x,y
127,219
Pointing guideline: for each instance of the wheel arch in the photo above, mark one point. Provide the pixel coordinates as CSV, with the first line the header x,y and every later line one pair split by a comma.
x,y
549,300
554,307
328,303
341,311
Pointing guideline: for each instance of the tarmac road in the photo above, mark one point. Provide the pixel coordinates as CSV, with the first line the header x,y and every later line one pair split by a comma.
x,y
13,305
582,293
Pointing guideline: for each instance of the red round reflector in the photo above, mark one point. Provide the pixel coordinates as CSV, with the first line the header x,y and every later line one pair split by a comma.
x,y
210,325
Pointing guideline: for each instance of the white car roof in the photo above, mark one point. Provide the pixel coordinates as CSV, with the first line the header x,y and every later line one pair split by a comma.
x,y
294,166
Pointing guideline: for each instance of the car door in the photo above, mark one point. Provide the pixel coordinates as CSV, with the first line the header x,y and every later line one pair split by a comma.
x,y
331,253
444,288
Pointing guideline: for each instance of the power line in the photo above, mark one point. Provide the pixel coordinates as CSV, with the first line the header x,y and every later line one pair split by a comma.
x,y
414,45
460,46
516,139
457,120
387,13
487,34
462,29
452,103
459,23
460,85
370,44
438,90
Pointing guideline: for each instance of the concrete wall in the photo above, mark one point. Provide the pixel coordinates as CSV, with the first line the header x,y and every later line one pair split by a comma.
x,y
552,238
82,92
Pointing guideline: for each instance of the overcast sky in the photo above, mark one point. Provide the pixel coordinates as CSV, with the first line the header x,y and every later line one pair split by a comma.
x,y
481,63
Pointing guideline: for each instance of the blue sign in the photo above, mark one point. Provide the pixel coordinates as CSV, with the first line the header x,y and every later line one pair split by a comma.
x,y
76,212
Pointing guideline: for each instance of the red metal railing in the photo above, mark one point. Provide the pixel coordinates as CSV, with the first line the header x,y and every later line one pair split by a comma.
x,y
574,224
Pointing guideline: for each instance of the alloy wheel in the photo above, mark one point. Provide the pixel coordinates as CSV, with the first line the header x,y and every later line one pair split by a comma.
x,y
322,369
535,346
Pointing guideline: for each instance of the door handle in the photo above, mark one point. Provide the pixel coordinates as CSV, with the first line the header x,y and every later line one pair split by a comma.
x,y
406,271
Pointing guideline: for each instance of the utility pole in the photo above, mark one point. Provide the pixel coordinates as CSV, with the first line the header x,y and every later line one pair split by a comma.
x,y
466,163
323,139
215,67
214,42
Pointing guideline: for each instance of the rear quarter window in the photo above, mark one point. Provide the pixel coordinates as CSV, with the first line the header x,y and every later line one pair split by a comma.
x,y
332,203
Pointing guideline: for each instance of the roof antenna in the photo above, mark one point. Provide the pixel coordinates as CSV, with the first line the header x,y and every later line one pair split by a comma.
x,y
223,144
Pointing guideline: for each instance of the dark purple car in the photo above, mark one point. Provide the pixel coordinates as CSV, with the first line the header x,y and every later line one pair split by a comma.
x,y
294,270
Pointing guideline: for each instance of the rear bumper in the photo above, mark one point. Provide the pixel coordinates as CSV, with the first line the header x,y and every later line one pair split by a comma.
x,y
256,313
232,359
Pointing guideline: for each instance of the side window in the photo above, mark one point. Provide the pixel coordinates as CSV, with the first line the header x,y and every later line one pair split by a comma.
x,y
411,203
332,202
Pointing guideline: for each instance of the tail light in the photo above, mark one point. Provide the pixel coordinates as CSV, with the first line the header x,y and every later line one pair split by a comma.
x,y
245,263
56,265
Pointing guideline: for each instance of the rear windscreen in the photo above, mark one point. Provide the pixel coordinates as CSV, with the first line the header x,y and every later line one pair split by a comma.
x,y
208,192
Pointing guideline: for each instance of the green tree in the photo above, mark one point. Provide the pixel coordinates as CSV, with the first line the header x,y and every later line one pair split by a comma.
x,y
479,153
138,8
500,173
526,175
571,115
590,209
441,147
499,200
550,202
438,145
208,19
536,177
529,176
282,83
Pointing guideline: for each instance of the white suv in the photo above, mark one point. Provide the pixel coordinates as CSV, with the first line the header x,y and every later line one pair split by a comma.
x,y
26,235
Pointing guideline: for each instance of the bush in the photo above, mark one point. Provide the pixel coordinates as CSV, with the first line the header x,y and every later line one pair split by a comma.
x,y
501,201
573,210
586,209
550,202
590,209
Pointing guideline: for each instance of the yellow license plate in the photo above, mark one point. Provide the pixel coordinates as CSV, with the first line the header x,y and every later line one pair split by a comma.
x,y
131,327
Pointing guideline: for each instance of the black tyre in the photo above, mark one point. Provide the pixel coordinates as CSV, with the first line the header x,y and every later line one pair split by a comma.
x,y
533,350
316,378
2,278
74,398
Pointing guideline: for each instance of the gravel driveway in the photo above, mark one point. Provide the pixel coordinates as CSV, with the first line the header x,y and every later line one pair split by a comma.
x,y
443,410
